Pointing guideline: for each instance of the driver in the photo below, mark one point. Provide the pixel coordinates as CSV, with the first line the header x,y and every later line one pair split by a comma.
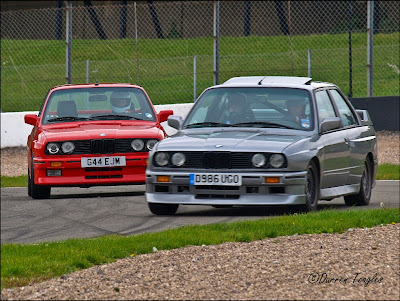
x,y
121,102
237,110
295,109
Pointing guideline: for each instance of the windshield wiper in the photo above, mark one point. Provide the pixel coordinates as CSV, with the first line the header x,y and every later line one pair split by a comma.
x,y
67,118
207,124
113,116
266,124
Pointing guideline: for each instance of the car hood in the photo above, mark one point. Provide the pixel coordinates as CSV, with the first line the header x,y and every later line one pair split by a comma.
x,y
107,130
229,140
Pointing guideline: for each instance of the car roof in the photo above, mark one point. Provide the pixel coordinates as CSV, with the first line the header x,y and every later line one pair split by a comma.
x,y
95,85
275,81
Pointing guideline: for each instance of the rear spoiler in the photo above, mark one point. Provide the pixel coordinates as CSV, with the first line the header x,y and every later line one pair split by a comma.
x,y
364,116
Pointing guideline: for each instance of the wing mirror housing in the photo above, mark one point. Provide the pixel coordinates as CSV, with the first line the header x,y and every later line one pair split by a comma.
x,y
364,117
31,119
163,115
175,122
330,123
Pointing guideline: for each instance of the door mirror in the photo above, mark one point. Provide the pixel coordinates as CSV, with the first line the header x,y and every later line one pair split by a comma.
x,y
175,122
330,123
31,119
163,115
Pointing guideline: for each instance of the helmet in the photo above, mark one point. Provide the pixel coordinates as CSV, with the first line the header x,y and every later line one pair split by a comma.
x,y
120,102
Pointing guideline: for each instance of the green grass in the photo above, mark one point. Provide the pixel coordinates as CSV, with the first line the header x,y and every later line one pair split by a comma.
x,y
388,172
20,181
164,67
22,264
385,172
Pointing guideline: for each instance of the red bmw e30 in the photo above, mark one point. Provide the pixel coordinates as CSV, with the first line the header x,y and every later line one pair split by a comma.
x,y
91,134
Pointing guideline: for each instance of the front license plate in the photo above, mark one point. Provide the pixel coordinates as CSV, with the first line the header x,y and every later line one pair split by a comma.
x,y
223,179
103,161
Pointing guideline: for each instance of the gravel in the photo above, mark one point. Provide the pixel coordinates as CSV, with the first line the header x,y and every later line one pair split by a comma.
x,y
359,264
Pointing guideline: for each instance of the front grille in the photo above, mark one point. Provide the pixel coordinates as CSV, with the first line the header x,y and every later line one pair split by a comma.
x,y
217,160
104,146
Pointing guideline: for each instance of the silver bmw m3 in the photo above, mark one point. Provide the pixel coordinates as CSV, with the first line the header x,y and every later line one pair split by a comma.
x,y
265,140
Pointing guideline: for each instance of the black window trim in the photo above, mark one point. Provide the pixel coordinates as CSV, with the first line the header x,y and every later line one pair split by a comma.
x,y
355,115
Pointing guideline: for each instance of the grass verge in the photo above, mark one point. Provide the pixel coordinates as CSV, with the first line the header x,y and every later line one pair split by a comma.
x,y
385,172
22,264
388,172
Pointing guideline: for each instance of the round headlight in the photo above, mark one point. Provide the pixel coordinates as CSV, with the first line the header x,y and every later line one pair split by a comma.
x,y
137,144
178,159
67,147
258,160
161,159
53,148
277,160
150,144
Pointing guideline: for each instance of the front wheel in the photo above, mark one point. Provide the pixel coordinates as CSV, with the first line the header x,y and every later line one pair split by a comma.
x,y
37,191
364,195
163,209
312,188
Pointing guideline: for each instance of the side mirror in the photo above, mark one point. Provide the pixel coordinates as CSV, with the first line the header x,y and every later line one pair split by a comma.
x,y
364,116
330,123
163,115
175,122
31,119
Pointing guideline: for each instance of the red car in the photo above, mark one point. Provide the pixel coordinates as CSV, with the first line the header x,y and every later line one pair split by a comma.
x,y
91,134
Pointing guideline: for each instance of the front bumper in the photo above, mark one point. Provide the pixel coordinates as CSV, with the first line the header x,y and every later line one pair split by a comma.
x,y
72,174
254,191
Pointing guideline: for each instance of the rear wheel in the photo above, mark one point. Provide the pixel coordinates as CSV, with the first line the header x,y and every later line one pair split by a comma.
x,y
163,209
37,191
364,195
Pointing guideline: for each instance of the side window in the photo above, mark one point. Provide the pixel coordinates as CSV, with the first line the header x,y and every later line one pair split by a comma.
x,y
345,112
324,104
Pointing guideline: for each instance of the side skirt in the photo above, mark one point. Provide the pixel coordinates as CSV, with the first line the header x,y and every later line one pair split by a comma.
x,y
334,192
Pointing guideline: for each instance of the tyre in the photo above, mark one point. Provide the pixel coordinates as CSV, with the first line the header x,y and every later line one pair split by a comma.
x,y
163,209
312,188
364,195
29,184
37,191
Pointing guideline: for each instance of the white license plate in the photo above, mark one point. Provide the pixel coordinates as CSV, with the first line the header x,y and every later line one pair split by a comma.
x,y
103,161
223,179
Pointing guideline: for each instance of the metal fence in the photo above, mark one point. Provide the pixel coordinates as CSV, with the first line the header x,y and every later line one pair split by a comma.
x,y
176,49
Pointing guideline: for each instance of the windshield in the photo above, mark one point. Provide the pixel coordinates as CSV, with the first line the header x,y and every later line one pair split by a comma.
x,y
102,103
252,107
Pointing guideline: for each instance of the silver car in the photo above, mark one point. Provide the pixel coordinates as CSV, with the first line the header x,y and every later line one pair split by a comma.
x,y
265,140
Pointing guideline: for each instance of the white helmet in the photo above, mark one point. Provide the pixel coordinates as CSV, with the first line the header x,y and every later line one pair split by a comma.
x,y
120,102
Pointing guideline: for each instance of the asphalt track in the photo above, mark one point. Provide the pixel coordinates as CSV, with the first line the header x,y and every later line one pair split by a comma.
x,y
97,211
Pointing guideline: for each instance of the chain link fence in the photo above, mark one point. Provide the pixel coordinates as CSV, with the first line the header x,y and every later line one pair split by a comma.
x,y
177,49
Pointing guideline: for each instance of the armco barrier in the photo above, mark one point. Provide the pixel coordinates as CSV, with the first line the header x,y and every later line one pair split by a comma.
x,y
383,110
14,131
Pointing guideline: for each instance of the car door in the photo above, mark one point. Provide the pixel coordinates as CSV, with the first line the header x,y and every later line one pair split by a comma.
x,y
335,149
351,132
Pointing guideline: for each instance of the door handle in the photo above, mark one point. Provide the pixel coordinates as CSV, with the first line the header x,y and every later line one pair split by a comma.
x,y
347,141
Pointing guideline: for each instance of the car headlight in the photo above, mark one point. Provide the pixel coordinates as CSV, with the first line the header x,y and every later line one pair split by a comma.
x,y
67,147
277,160
178,159
162,159
137,144
258,160
53,148
150,144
